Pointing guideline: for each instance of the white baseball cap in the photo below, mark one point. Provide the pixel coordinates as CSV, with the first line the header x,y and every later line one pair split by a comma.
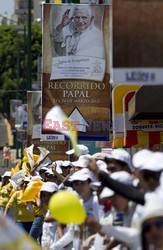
x,y
66,164
122,155
121,176
83,150
102,166
153,162
49,187
101,156
6,174
81,175
82,162
140,157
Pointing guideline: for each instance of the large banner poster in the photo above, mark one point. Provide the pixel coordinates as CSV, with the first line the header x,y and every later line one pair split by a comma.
x,y
137,42
57,148
76,67
13,105
21,115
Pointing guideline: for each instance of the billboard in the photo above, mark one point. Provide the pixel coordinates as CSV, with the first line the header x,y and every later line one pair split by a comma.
x,y
21,117
13,105
76,67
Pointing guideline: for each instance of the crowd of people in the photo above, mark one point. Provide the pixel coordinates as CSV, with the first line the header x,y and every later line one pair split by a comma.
x,y
121,194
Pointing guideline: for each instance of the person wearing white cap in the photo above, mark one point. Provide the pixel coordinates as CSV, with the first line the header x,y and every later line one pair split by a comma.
x,y
80,181
149,166
5,178
152,224
122,209
66,167
48,229
46,191
151,173
119,160
49,175
119,203
42,172
52,175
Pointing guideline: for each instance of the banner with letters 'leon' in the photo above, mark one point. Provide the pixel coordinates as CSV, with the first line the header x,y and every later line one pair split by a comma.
x,y
76,74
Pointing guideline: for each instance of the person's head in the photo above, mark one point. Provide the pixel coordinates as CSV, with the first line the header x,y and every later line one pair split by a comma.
x,y
5,178
52,177
25,183
66,167
80,182
42,172
82,188
82,17
152,224
153,232
119,160
148,167
149,180
149,171
119,202
47,190
115,165
82,162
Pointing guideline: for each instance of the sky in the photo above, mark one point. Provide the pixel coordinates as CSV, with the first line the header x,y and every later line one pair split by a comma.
x,y
7,6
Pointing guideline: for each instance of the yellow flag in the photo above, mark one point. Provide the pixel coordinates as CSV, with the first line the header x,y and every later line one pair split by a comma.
x,y
16,168
73,136
26,168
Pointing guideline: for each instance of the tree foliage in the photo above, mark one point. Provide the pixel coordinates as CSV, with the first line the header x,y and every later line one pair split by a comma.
x,y
13,61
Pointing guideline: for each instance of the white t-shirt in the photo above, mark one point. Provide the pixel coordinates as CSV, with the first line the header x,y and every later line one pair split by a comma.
x,y
48,232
